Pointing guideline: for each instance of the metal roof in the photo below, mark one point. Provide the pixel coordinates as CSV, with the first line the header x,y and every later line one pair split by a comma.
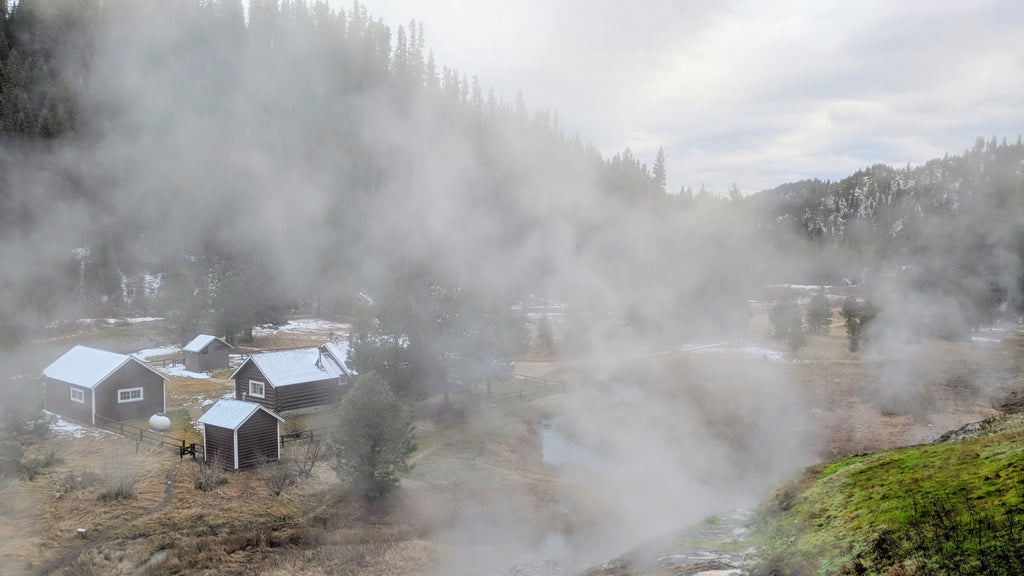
x,y
339,350
87,367
202,341
286,367
231,414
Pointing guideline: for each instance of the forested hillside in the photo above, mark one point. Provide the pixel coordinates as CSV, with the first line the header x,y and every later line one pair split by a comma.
x,y
206,149
949,232
221,169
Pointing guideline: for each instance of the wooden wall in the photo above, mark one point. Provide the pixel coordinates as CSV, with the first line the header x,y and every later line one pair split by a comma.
x,y
250,372
216,357
131,375
258,440
57,398
220,445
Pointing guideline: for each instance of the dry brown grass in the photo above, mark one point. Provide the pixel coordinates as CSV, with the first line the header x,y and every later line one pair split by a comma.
x,y
486,465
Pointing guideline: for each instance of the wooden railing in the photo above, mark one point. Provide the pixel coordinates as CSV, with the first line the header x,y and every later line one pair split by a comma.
x,y
532,387
179,445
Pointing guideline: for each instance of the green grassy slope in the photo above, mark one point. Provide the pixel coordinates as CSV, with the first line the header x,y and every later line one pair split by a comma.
x,y
952,508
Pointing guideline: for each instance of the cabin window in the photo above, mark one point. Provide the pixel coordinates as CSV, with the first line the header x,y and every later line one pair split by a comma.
x,y
204,351
129,395
256,389
78,395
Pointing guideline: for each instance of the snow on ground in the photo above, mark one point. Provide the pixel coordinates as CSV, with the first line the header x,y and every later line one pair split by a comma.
x,y
304,326
149,353
138,320
730,348
62,426
984,339
179,370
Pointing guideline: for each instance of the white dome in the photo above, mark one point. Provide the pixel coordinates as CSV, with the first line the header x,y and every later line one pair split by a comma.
x,y
159,422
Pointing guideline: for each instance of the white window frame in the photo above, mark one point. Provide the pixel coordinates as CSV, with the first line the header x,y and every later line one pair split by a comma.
x,y
80,397
262,389
131,397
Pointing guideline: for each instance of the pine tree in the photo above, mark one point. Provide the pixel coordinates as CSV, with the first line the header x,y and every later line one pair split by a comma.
x,y
658,171
373,439
819,314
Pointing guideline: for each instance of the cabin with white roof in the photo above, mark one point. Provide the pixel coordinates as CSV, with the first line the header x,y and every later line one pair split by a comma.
x,y
206,352
240,434
93,386
291,380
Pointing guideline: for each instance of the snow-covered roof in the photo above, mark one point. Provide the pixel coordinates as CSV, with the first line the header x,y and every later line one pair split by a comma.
x,y
229,413
84,366
339,350
285,367
202,341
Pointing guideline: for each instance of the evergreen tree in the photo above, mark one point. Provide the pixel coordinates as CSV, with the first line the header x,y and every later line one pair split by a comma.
x,y
819,314
658,171
373,439
857,315
787,324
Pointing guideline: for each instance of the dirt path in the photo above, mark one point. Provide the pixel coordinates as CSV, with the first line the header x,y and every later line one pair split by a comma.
x,y
111,533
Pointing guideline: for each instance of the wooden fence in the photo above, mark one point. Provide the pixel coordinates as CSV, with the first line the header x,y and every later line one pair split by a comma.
x,y
302,435
531,387
178,445
165,362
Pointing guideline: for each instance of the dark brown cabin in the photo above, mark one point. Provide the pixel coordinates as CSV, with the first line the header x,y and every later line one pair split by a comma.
x,y
240,434
91,385
289,380
206,352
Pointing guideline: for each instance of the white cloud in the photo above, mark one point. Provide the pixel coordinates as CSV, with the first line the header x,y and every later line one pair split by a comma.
x,y
751,92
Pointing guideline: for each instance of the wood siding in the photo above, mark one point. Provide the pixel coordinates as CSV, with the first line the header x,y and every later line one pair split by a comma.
x,y
291,397
57,399
257,440
220,445
131,375
216,357
251,372
308,395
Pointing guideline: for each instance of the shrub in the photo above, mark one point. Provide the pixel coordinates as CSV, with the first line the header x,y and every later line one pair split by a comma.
x,y
29,468
73,481
118,483
207,475
277,476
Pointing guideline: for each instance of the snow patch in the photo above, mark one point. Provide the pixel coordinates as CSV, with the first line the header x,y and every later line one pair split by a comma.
x,y
62,426
179,370
749,349
148,353
304,326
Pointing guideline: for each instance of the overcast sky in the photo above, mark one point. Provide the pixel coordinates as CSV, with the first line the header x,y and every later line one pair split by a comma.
x,y
747,92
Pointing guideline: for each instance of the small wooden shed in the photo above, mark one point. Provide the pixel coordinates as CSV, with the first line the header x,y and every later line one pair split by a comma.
x,y
290,380
206,352
240,434
92,385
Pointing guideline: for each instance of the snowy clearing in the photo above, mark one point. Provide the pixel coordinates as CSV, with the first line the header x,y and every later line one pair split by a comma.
x,y
305,326
179,370
62,426
747,349
149,353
